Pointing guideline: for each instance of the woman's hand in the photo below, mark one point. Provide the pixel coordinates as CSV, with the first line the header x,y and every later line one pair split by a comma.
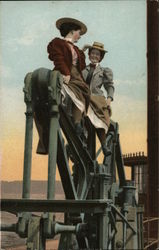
x,y
108,101
85,47
66,79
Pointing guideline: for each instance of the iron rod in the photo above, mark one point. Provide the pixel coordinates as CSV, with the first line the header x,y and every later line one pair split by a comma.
x,y
8,228
128,224
104,218
151,244
27,153
64,170
120,163
52,157
29,205
58,228
124,231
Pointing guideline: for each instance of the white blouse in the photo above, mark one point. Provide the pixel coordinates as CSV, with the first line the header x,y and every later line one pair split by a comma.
x,y
74,54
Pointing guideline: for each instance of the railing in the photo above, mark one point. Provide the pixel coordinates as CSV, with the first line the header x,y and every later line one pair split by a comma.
x,y
150,241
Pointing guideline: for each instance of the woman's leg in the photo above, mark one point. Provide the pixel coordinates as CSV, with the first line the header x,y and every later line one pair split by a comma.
x,y
77,117
102,137
76,114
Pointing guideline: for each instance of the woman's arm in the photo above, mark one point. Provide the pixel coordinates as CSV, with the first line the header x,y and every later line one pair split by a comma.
x,y
56,54
108,84
85,47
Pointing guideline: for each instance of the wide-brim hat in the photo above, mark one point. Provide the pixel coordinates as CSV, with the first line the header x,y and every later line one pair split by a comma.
x,y
60,21
99,46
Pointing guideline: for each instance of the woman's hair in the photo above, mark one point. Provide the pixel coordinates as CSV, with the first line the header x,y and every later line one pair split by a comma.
x,y
102,53
67,27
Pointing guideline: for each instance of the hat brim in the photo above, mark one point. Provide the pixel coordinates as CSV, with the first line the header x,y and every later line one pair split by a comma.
x,y
60,21
98,48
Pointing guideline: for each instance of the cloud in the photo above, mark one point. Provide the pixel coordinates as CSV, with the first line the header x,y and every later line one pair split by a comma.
x,y
32,33
12,108
127,102
7,77
131,115
139,81
5,71
132,119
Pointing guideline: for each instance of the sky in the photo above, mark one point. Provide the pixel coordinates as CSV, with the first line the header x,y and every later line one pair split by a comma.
x,y
26,27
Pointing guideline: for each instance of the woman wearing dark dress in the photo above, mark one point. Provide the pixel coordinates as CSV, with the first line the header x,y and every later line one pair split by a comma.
x,y
70,61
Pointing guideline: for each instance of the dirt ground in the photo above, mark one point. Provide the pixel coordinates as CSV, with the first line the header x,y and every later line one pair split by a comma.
x,y
50,245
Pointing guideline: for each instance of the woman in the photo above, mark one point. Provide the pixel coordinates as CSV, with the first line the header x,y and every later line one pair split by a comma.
x,y
96,77
70,61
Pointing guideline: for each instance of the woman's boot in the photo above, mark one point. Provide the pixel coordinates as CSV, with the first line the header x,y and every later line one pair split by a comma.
x,y
106,149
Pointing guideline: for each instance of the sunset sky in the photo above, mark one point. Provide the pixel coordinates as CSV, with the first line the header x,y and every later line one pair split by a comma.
x,y
28,26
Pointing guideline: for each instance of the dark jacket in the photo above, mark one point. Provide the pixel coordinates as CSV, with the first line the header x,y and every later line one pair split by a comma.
x,y
60,53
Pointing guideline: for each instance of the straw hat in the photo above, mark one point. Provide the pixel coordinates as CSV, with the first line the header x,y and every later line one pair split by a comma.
x,y
99,46
60,21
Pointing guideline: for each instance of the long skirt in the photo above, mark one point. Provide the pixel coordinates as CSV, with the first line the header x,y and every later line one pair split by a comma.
x,y
78,90
93,106
98,112
90,105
